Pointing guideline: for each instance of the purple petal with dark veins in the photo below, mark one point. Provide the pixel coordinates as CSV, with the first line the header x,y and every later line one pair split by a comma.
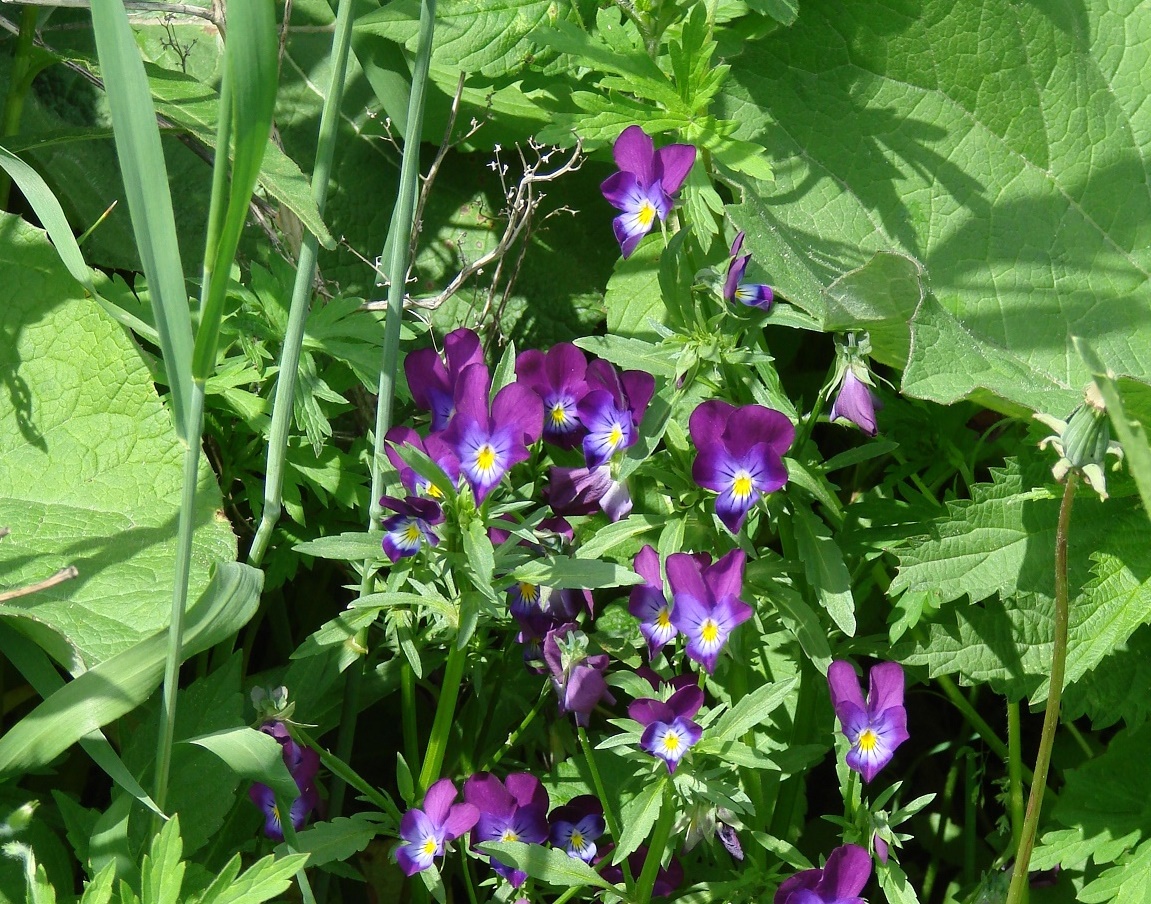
x,y
844,686
672,164
646,565
634,152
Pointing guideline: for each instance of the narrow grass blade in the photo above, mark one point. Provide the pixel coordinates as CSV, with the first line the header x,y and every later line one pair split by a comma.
x,y
149,199
118,685
251,79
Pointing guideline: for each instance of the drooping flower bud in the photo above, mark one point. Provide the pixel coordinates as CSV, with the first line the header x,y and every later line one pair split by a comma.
x,y
1083,441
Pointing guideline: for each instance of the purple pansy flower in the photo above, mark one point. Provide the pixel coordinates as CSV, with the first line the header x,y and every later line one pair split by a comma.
x,y
434,447
740,455
433,382
754,295
667,879
515,809
669,731
706,606
581,491
488,441
557,377
303,763
841,880
576,826
856,402
874,727
612,410
407,530
426,832
649,604
644,186
577,677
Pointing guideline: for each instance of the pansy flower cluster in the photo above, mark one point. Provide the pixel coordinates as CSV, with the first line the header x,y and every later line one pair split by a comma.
x,y
514,808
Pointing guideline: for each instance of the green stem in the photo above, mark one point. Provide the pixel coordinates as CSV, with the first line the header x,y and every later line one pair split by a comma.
x,y
802,731
651,864
401,228
1018,890
179,595
970,833
1014,776
977,722
941,830
445,715
284,404
601,792
19,84
408,714
349,776
514,737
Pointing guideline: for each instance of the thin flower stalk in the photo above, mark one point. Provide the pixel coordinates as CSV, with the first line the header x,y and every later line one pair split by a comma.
x,y
1017,892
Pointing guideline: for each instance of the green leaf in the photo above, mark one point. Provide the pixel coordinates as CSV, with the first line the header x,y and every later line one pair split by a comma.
x,y
149,199
578,573
93,468
1127,883
1002,540
548,865
163,869
194,106
268,878
880,297
638,816
630,354
252,755
489,37
480,559
608,538
752,710
84,704
334,840
894,883
1005,170
355,546
633,296
99,889
826,571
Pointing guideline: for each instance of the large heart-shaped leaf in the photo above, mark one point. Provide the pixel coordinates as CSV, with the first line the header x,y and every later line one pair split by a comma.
x,y
92,467
1005,148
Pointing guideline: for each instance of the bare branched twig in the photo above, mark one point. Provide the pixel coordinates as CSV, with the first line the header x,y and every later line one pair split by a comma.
x,y
523,199
213,15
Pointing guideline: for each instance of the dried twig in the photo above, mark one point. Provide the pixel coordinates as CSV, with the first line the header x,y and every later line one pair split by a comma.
x,y
213,15
522,201
64,574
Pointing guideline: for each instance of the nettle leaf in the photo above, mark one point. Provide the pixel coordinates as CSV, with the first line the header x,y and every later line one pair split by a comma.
x,y
1010,646
1104,806
336,839
1002,540
92,466
1015,173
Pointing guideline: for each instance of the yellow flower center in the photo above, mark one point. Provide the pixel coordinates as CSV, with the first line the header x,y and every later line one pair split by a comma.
x,y
616,435
663,620
867,740
741,487
486,457
577,841
434,491
646,214
671,742
709,631
558,415
412,533
529,593
509,835
429,847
